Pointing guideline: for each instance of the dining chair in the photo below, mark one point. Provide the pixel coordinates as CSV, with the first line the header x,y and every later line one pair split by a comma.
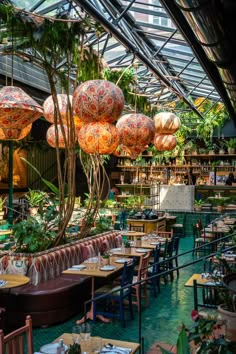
x,y
13,342
174,262
141,290
199,238
113,303
206,299
153,271
166,264
179,226
164,234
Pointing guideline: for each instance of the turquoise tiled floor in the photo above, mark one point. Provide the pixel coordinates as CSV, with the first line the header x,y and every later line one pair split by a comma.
x,y
160,321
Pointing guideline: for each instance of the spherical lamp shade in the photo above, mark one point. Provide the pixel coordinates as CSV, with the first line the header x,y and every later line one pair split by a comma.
x,y
98,101
63,108
15,134
17,109
166,123
98,138
135,130
51,136
134,151
165,142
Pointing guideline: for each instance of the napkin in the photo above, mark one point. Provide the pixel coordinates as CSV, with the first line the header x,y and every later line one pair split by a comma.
x,y
2,282
114,349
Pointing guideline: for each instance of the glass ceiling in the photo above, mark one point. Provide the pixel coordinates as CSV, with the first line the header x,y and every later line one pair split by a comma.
x,y
140,32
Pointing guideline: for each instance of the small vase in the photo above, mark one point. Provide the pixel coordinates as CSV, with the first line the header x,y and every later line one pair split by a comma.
x,y
33,211
127,250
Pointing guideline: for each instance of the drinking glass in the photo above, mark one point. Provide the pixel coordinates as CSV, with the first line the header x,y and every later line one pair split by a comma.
x,y
76,333
85,331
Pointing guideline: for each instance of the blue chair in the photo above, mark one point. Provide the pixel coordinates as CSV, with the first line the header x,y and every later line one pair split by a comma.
x,y
116,299
153,271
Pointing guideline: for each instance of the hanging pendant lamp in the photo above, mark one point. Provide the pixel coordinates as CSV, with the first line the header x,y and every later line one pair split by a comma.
x,y
17,110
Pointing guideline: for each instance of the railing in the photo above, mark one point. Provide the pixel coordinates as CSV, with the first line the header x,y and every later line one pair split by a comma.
x,y
158,275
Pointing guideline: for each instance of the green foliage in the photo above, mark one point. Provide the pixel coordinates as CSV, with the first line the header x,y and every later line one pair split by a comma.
x,y
198,202
231,143
35,198
127,244
103,224
74,349
33,235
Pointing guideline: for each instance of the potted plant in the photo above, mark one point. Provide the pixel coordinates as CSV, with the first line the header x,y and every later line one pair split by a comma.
x,y
2,203
219,202
35,199
75,348
227,309
198,204
127,247
231,145
105,258
211,148
222,147
138,242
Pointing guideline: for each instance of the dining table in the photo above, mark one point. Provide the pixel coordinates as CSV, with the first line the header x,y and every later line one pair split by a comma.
x,y
133,234
201,279
131,252
131,347
94,269
8,281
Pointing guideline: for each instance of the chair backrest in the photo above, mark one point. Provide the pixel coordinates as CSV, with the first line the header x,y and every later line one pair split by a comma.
x,y
143,267
13,343
156,259
127,274
205,296
176,245
165,234
168,249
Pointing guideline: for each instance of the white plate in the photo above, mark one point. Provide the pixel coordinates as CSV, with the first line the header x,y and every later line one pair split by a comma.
x,y
142,250
51,348
107,268
79,266
122,260
154,243
116,249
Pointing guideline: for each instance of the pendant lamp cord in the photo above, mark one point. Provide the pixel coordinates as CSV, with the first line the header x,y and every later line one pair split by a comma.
x,y
12,54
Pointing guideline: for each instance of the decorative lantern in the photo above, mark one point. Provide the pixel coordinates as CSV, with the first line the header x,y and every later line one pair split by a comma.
x,y
134,151
15,134
17,109
165,142
63,108
98,138
166,123
98,101
135,130
51,136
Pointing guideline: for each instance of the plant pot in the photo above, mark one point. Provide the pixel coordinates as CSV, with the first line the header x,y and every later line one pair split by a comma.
x,y
198,208
105,261
221,151
138,243
230,318
128,250
1,215
219,208
33,211
231,151
211,152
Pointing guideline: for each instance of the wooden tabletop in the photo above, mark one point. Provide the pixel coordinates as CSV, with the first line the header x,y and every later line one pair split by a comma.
x,y
94,272
133,252
13,280
198,278
67,337
132,233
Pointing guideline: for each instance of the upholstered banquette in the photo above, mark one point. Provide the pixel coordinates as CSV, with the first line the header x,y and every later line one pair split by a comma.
x,y
51,296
